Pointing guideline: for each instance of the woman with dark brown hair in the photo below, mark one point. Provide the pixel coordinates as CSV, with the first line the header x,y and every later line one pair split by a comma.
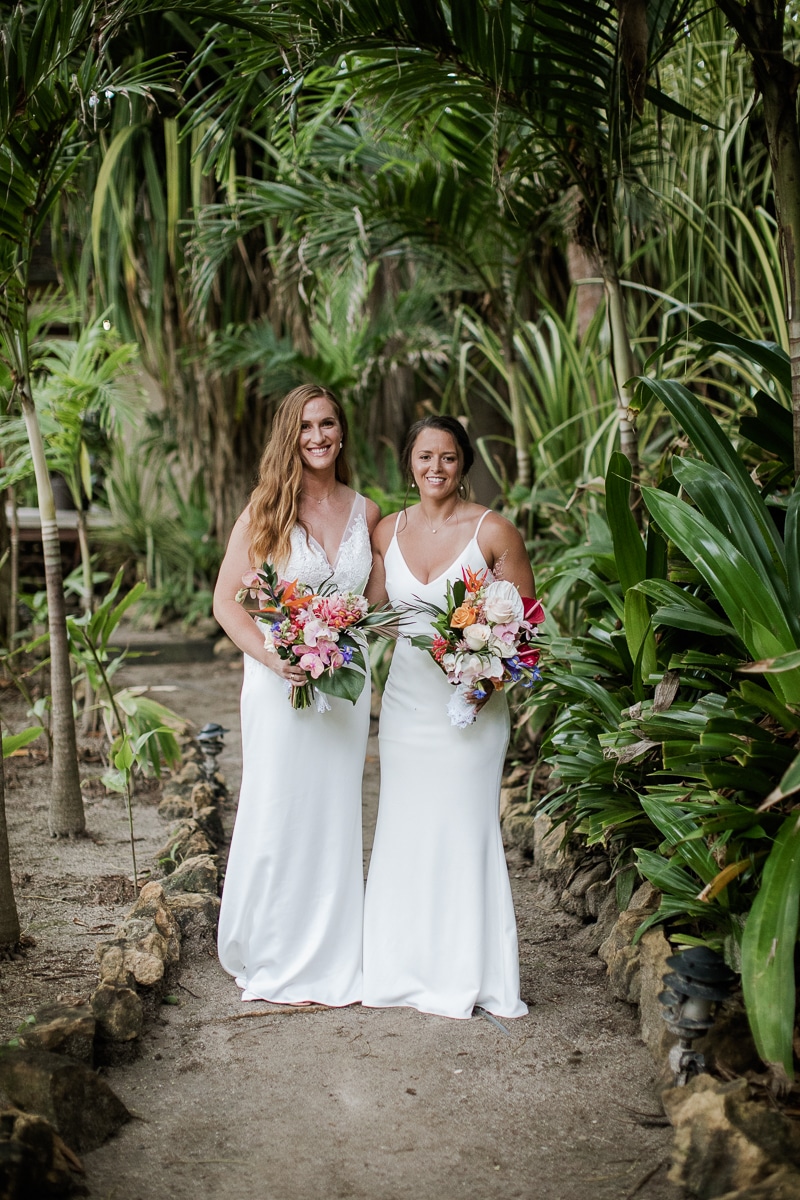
x,y
290,922
439,928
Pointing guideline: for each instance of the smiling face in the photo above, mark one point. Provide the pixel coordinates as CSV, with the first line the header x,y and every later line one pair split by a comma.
x,y
320,434
436,464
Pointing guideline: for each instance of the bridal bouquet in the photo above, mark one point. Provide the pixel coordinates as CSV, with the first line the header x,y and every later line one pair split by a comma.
x,y
482,640
316,630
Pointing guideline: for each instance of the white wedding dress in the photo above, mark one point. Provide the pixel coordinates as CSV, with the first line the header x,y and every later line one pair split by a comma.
x,y
439,928
292,904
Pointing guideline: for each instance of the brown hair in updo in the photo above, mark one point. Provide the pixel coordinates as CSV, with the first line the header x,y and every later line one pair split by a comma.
x,y
275,500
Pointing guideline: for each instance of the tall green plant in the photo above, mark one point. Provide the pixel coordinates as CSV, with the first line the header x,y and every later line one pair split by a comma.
x,y
57,80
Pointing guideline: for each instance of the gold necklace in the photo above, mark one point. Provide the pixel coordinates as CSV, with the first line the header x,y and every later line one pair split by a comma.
x,y
444,522
327,496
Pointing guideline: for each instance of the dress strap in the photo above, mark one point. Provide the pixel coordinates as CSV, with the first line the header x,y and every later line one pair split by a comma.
x,y
397,520
483,518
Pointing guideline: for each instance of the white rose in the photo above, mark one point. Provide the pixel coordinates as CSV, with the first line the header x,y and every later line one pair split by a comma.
x,y
501,648
502,603
476,636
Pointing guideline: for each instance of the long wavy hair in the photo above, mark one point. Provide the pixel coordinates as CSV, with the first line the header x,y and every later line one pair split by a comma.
x,y
275,500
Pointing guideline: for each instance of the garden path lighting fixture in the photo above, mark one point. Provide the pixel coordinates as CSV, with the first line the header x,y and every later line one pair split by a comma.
x,y
698,981
210,741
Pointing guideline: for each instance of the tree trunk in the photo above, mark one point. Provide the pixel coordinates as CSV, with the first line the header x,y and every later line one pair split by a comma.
x,y
9,919
760,27
8,600
66,816
623,366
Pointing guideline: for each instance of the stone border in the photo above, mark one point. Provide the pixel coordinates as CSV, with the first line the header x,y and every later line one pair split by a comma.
x,y
62,1106
727,1144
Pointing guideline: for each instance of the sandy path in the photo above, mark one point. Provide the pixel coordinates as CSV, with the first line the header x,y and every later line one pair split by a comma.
x,y
240,1101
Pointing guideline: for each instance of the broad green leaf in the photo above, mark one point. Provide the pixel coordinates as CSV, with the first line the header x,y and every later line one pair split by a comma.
x,y
678,828
639,633
629,550
345,683
789,784
124,756
16,741
116,781
86,470
768,950
738,587
767,354
721,500
708,438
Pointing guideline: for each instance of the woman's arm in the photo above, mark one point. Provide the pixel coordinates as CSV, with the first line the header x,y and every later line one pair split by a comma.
x,y
381,537
504,550
233,617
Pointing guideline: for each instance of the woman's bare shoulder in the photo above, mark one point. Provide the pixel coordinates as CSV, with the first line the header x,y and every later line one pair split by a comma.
x,y
383,532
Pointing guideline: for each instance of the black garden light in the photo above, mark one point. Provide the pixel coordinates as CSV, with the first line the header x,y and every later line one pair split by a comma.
x,y
698,981
210,741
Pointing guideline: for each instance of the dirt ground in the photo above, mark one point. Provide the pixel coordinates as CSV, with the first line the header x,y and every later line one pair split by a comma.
x,y
234,1100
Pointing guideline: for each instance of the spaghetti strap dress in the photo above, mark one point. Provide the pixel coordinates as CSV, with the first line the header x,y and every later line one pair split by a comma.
x,y
439,927
292,903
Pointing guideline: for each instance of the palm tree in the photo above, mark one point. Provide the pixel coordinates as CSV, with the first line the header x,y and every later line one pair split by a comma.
x,y
557,89
57,84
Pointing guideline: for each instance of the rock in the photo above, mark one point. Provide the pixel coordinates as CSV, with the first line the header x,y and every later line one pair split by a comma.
x,y
118,1011
174,808
782,1185
197,913
622,957
573,898
210,823
65,1092
654,950
645,897
145,953
203,796
189,773
34,1162
62,1029
185,841
152,903
548,853
518,828
596,895
591,937
725,1142
512,797
728,1046
111,960
198,874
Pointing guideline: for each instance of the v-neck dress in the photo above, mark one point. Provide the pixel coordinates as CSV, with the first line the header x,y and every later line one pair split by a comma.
x,y
439,927
292,902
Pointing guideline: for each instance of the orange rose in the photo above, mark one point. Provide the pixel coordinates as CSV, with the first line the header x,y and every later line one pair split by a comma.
x,y
462,617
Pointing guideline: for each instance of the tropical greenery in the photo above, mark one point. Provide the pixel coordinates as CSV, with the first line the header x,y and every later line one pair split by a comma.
x,y
575,224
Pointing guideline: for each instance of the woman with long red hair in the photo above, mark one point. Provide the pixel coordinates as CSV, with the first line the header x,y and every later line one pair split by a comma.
x,y
292,903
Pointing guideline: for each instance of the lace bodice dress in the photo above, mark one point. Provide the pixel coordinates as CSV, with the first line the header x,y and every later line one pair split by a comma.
x,y
439,927
292,903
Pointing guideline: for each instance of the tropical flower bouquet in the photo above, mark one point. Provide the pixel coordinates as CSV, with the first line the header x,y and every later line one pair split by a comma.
x,y
319,630
482,640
